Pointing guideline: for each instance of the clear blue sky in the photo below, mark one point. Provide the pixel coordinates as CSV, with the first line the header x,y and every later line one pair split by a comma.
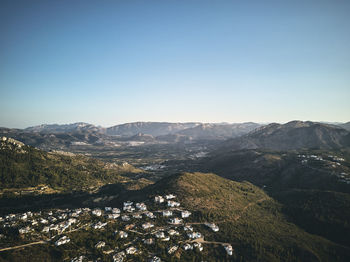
x,y
110,62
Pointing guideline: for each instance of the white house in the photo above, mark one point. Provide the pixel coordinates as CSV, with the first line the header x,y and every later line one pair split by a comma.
x,y
147,225
170,196
173,204
167,213
150,215
148,241
62,240
127,203
213,227
155,259
175,221
131,250
188,228
194,235
115,210
160,234
198,245
172,232
123,234
100,244
125,218
113,216
158,199
228,249
97,212
172,249
187,247
185,214
141,206
99,225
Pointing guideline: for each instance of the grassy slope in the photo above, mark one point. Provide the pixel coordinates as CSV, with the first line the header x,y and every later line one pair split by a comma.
x,y
34,167
249,219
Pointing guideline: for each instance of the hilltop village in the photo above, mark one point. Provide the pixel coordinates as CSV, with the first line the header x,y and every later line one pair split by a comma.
x,y
331,162
135,229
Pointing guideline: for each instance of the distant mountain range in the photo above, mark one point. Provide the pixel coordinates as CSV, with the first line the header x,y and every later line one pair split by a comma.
x,y
149,128
291,136
75,127
82,134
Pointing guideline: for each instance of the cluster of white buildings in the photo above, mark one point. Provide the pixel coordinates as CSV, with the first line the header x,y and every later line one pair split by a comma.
x,y
189,246
56,222
333,161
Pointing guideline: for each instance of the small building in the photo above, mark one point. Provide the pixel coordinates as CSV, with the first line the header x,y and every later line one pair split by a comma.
x,y
148,241
160,234
172,249
147,225
63,240
141,206
173,203
99,225
150,215
173,232
24,230
166,238
128,227
131,250
175,221
158,199
187,247
119,257
97,212
185,214
170,196
213,227
45,229
100,244
125,218
129,209
123,234
167,213
115,210
198,246
155,259
113,216
44,221
188,228
228,248
128,203
194,235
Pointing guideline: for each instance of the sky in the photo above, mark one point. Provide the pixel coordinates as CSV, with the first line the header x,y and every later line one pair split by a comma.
x,y
111,62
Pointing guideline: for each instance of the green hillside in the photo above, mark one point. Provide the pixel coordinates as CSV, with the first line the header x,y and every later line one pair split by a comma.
x,y
23,166
248,219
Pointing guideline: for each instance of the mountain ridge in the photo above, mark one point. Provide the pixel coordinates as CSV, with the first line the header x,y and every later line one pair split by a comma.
x,y
290,136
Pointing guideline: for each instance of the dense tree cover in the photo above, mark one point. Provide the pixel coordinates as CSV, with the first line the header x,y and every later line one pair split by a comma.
x,y
33,167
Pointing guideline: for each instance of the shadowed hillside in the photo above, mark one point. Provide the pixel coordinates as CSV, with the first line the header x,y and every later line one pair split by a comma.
x,y
291,136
